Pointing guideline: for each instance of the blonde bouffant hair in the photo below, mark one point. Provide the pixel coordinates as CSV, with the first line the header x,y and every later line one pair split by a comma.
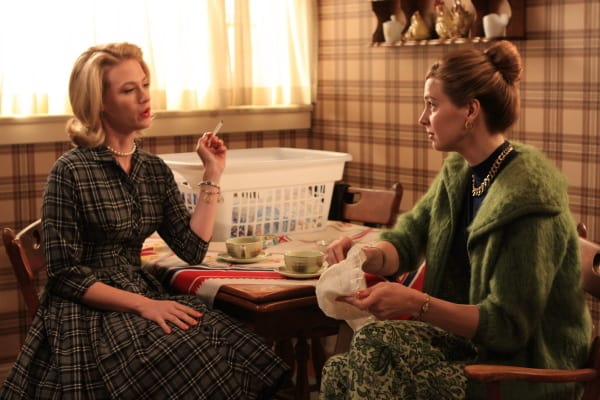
x,y
86,87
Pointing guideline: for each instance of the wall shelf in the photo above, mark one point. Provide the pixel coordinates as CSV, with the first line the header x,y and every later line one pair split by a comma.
x,y
404,9
434,42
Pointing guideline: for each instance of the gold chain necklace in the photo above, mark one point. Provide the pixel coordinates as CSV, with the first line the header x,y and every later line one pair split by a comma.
x,y
122,153
477,191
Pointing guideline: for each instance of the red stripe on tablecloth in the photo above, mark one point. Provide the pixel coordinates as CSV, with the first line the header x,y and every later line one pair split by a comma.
x,y
188,281
362,234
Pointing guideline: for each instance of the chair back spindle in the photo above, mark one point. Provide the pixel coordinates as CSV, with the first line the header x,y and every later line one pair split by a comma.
x,y
373,207
25,251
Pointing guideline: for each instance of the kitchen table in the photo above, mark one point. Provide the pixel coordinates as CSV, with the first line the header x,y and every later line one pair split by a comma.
x,y
206,279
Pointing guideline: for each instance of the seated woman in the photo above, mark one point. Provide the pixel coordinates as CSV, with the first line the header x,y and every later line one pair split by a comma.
x,y
502,283
106,329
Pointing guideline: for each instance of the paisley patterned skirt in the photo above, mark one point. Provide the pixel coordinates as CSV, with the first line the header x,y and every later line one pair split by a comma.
x,y
399,360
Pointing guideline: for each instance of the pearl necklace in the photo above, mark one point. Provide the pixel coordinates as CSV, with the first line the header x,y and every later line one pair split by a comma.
x,y
122,153
477,191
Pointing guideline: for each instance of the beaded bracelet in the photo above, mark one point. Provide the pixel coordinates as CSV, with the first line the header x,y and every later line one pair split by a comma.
x,y
207,194
209,183
424,308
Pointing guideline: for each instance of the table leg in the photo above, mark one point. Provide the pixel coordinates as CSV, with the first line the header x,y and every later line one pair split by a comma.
x,y
302,389
285,350
318,358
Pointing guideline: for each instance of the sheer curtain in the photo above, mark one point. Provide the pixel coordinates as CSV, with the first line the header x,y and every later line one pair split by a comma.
x,y
203,54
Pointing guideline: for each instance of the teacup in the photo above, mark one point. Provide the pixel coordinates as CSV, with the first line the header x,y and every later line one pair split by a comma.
x,y
244,247
303,261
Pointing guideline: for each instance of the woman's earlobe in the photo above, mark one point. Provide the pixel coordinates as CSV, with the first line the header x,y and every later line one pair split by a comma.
x,y
468,124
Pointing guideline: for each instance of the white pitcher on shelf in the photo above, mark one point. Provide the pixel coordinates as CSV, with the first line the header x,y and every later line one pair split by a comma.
x,y
494,25
392,29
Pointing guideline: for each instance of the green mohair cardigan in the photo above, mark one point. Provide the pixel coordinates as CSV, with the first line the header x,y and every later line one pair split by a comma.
x,y
525,266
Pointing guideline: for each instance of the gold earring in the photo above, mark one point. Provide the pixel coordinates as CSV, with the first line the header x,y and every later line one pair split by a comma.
x,y
468,125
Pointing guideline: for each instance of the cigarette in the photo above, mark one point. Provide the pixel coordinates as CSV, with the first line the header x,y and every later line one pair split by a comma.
x,y
217,128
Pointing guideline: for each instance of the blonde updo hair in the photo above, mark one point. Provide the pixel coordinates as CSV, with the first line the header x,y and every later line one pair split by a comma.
x,y
86,87
490,76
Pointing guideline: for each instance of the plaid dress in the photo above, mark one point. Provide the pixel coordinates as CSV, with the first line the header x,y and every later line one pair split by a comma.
x,y
96,218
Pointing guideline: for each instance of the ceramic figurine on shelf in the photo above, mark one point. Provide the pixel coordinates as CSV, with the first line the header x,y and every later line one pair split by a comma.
x,y
382,9
462,19
494,25
392,29
444,24
418,29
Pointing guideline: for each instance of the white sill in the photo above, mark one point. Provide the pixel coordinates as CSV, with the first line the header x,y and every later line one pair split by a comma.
x,y
47,129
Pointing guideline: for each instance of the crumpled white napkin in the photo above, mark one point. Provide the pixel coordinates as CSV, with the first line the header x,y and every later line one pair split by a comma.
x,y
344,279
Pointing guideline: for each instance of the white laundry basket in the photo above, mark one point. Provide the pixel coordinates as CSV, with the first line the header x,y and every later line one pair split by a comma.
x,y
266,191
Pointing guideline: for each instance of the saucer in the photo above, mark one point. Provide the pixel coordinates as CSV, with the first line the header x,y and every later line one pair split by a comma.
x,y
226,257
283,270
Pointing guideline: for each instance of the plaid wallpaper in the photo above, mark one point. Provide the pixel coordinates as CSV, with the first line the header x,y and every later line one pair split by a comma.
x,y
369,99
368,103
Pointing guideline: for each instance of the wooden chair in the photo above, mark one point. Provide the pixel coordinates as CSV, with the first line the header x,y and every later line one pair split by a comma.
x,y
372,207
492,375
26,254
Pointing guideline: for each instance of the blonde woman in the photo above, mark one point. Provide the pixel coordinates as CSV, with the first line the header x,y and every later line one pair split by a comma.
x,y
106,328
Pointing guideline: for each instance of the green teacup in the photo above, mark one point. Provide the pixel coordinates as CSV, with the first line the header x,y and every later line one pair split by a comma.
x,y
244,247
303,261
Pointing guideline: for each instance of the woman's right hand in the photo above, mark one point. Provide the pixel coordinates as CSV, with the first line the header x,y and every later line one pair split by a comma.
x,y
165,312
337,250
212,151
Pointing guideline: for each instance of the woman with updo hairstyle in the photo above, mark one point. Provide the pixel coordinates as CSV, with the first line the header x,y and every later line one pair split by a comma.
x,y
106,328
503,270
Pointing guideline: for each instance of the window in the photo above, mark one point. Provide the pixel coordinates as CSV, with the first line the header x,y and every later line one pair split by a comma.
x,y
203,54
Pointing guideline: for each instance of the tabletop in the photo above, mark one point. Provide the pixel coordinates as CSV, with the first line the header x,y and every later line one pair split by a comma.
x,y
260,280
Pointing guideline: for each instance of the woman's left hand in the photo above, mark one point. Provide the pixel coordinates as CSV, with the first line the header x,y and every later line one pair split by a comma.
x,y
385,300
